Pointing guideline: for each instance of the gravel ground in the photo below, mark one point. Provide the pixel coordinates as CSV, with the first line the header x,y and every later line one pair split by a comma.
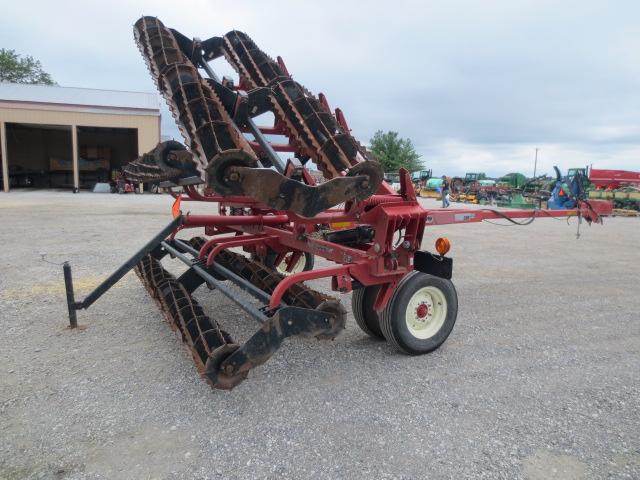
x,y
539,379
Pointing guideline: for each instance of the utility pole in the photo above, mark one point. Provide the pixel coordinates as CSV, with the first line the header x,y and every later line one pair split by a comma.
x,y
535,164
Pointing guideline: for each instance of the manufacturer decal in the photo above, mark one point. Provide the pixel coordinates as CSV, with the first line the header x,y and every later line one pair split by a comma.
x,y
463,217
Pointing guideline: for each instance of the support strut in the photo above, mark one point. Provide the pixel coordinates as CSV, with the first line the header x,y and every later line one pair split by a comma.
x,y
112,279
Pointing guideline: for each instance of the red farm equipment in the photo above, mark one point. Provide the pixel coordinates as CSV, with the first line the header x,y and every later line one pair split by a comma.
x,y
613,179
277,215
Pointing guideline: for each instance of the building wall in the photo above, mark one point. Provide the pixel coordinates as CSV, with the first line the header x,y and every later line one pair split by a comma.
x,y
146,122
148,125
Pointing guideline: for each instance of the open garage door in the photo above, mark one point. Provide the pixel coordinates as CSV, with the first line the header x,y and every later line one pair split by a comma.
x,y
103,152
39,156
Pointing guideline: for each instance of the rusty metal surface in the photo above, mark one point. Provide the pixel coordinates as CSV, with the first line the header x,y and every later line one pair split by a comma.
x,y
284,193
219,360
204,123
307,120
263,344
167,161
206,111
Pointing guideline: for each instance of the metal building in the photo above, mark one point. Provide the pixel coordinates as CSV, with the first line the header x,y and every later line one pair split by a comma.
x,y
61,137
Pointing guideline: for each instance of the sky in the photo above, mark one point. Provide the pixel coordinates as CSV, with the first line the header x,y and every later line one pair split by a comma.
x,y
476,85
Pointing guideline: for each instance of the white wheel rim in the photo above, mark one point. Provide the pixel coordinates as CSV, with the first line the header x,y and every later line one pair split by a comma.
x,y
426,312
298,267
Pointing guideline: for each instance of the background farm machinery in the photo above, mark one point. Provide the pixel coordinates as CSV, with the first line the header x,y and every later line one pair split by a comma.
x,y
272,219
623,198
620,187
515,190
420,179
474,188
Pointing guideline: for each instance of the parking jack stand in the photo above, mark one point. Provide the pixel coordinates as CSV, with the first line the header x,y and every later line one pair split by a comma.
x,y
71,302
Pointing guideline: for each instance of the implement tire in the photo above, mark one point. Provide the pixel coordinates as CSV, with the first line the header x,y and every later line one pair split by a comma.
x,y
367,318
420,314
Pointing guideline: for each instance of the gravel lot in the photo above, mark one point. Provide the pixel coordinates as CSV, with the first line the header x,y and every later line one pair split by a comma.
x,y
539,379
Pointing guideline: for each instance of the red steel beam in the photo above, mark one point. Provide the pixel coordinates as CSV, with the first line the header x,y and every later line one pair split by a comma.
x,y
276,130
590,210
209,244
278,147
194,221
240,242
287,282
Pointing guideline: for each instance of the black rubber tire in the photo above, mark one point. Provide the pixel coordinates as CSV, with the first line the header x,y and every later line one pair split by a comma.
x,y
367,318
309,261
393,318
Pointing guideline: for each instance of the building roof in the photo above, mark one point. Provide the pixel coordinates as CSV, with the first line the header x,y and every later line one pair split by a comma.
x,y
85,99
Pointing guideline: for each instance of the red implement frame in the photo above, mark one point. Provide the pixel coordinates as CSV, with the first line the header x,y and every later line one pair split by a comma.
x,y
397,220
375,242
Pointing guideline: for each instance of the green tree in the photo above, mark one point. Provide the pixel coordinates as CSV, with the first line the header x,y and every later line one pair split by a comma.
x,y
15,68
394,152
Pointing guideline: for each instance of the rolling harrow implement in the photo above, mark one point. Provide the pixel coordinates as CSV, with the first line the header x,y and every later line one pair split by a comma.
x,y
212,115
276,214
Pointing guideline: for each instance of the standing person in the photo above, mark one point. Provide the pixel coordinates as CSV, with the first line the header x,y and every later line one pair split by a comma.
x,y
445,192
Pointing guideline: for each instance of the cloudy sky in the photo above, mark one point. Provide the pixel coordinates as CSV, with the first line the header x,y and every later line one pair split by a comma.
x,y
476,85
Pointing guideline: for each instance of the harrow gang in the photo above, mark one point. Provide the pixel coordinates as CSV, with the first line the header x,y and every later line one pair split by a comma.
x,y
277,215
